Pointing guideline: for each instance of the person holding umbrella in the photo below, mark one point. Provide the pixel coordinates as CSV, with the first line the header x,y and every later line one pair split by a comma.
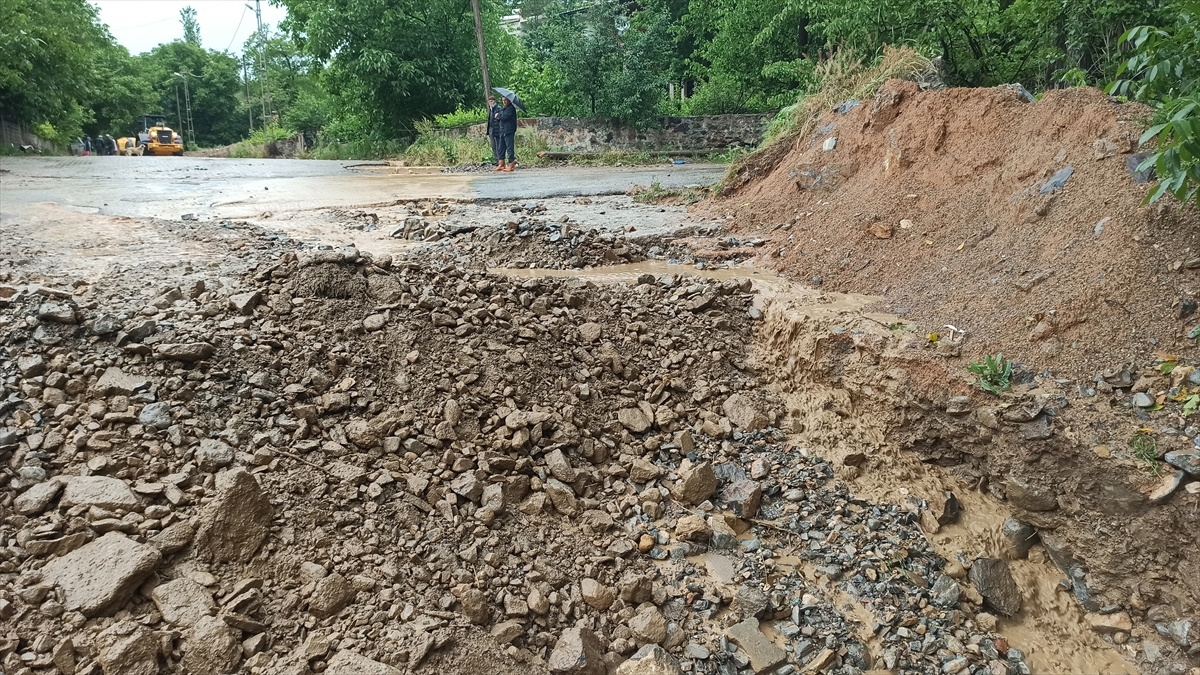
x,y
506,117
493,131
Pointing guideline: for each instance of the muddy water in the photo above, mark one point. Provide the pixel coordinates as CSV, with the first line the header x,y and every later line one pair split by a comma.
x,y
1051,628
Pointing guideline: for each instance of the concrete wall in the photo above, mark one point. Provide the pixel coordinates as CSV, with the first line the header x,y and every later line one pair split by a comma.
x,y
713,132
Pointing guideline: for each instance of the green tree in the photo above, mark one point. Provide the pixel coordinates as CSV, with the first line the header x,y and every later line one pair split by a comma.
x,y
214,82
191,27
389,62
46,62
1164,71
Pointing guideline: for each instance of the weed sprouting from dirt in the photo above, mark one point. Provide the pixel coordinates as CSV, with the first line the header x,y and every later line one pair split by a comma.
x,y
1145,449
995,373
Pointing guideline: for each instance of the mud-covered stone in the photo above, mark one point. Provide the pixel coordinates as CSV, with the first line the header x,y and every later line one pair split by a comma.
x,y
764,655
651,659
97,578
696,483
127,648
1022,536
100,491
994,581
577,652
212,647
743,413
235,523
346,662
1029,496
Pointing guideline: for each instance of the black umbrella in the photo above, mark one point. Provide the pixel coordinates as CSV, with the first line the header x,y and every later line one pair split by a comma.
x,y
511,96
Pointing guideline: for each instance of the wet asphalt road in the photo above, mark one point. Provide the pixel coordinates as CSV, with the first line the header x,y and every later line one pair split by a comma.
x,y
168,187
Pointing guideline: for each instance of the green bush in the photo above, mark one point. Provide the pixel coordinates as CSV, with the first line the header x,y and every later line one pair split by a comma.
x,y
460,118
1164,72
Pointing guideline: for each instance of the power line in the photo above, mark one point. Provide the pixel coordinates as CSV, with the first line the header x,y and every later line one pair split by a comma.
x,y
239,26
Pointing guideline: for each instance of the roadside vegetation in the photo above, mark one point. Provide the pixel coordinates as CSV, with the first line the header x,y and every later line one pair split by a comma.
x,y
362,78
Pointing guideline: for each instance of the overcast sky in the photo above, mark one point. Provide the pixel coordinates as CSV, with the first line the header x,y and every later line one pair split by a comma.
x,y
142,25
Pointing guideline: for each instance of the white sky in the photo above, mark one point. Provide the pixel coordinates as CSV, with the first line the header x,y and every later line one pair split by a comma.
x,y
142,25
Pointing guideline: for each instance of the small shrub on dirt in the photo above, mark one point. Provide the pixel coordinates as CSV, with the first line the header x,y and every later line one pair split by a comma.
x,y
994,372
657,194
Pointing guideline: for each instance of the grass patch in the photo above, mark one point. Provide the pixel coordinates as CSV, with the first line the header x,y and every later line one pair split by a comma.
x,y
841,77
657,194
1145,450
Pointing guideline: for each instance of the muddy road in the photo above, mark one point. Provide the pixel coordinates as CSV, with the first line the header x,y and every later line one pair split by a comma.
x,y
476,424
168,187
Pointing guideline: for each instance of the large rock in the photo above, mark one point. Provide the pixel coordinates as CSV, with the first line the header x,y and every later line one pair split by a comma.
x,y
650,660
1108,624
97,578
235,523
1021,535
185,351
743,497
693,528
994,581
213,648
562,496
764,655
741,411
696,483
127,648
37,498
213,454
577,652
1029,496
648,626
559,466
244,303
157,415
174,538
346,662
183,602
597,594
1187,461
116,382
101,491
475,606
633,419
332,593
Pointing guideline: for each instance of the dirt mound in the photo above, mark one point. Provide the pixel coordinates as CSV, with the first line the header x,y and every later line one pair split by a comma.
x,y
1015,221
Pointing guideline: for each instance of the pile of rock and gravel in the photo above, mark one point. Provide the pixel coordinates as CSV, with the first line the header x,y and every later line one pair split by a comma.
x,y
322,461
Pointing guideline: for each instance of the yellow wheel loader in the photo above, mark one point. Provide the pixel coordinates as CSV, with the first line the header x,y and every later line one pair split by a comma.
x,y
156,138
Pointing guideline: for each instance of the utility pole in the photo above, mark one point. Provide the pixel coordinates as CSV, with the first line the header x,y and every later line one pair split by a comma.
x,y
246,81
187,101
487,80
262,47
178,110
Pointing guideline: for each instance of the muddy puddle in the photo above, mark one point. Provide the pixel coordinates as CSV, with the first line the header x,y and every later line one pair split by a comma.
x,y
1050,629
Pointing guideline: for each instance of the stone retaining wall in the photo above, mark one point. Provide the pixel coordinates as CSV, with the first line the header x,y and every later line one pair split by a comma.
x,y
712,132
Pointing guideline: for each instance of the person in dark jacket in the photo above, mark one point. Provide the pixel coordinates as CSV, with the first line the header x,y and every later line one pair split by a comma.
x,y
507,119
87,145
493,131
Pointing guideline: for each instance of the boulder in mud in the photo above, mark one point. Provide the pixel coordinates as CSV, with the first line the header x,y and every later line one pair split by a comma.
x,y
1022,536
127,648
97,578
235,523
577,652
1029,496
346,662
743,413
650,660
994,581
696,483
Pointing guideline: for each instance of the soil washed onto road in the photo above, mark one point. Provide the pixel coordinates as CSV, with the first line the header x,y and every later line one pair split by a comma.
x,y
437,431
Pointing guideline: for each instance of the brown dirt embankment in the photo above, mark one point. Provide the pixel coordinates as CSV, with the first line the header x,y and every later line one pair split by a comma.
x,y
938,201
